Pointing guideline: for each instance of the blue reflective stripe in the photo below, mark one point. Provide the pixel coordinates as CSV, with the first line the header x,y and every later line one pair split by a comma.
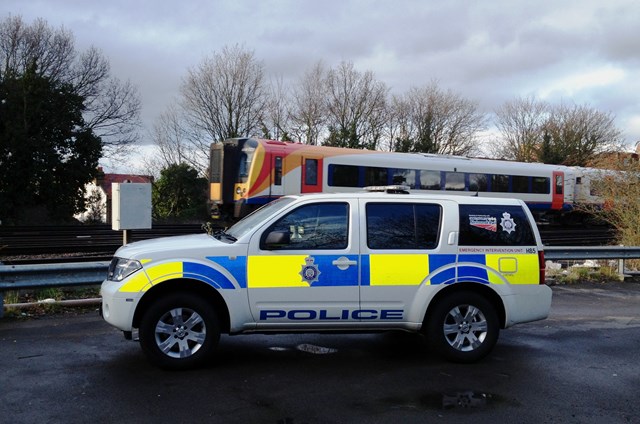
x,y
472,273
236,267
438,261
208,274
365,270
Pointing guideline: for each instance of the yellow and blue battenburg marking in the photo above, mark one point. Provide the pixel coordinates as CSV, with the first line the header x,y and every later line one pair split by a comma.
x,y
286,271
406,269
231,276
289,271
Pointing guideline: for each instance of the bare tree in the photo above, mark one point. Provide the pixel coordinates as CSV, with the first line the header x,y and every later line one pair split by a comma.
x,y
308,114
277,114
177,143
112,108
520,122
356,107
439,122
577,134
225,95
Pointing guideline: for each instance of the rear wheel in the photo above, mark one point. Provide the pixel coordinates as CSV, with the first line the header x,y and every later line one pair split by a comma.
x,y
179,331
463,327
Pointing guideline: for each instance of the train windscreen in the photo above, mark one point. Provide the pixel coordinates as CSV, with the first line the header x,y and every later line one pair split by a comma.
x,y
247,151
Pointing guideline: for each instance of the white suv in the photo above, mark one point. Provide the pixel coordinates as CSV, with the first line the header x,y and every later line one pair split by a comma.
x,y
454,268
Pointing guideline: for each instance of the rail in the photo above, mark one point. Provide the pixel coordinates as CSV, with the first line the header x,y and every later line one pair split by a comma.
x,y
19,277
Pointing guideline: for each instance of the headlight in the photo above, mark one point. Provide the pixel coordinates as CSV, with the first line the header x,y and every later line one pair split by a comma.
x,y
121,268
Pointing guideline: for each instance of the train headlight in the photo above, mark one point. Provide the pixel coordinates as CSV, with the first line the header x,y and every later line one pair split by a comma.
x,y
121,268
238,190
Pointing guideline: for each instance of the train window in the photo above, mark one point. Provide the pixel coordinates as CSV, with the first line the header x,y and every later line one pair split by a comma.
x,y
454,181
559,184
540,185
520,184
500,183
277,176
375,176
404,177
403,225
478,182
344,175
430,180
246,156
311,171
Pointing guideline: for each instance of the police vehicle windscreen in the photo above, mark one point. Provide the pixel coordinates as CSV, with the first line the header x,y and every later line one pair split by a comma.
x,y
257,217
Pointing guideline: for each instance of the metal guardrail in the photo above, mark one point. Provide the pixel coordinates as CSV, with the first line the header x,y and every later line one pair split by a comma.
x,y
558,253
18,277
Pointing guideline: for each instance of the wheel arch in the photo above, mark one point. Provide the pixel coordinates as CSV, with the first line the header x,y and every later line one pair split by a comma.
x,y
482,289
185,285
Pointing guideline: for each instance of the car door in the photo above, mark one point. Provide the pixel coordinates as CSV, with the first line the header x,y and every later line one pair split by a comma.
x,y
407,247
303,267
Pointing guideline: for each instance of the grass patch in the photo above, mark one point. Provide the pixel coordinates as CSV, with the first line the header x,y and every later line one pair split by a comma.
x,y
594,273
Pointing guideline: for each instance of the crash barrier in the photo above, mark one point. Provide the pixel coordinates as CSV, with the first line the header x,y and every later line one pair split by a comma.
x,y
19,277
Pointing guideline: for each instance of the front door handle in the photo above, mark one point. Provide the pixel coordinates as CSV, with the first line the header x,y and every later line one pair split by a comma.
x,y
343,263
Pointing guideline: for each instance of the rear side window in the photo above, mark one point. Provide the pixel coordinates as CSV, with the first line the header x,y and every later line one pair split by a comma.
x,y
494,225
403,225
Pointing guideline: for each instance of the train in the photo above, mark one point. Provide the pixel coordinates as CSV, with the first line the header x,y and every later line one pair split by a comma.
x,y
245,173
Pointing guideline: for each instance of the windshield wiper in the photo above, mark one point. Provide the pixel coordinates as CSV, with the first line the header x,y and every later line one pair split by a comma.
x,y
220,233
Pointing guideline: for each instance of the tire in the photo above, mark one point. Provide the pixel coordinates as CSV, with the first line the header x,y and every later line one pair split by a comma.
x,y
463,327
179,331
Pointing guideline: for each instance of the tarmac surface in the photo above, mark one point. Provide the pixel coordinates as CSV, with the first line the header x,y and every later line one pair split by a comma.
x,y
582,365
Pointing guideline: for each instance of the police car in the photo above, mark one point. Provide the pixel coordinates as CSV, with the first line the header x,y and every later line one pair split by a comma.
x,y
457,269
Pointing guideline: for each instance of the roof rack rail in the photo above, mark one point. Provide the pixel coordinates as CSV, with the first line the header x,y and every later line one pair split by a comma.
x,y
391,189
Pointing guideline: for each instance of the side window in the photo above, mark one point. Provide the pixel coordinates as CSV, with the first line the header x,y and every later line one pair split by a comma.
x,y
494,225
311,171
317,226
454,181
277,177
500,183
405,177
374,176
344,175
478,182
430,180
403,225
540,185
559,183
520,184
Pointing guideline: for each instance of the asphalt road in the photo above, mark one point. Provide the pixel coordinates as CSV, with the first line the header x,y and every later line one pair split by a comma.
x,y
582,365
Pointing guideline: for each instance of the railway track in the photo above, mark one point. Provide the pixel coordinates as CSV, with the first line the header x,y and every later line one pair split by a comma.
x,y
77,243
41,244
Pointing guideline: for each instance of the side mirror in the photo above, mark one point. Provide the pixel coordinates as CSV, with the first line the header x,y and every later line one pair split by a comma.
x,y
277,239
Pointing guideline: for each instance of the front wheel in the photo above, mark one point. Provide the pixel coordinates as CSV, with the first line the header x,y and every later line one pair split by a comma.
x,y
179,331
463,327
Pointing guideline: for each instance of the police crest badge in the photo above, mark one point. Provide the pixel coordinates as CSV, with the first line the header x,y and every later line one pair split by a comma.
x,y
310,271
507,223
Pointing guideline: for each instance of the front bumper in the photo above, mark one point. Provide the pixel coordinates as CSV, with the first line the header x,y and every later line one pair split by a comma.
x,y
117,307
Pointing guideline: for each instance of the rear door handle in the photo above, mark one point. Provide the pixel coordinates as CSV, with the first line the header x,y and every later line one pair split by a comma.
x,y
343,263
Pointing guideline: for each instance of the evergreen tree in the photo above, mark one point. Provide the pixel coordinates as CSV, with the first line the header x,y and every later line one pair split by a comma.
x,y
179,194
47,153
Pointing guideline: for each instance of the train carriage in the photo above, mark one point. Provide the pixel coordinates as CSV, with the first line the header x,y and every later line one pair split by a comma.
x,y
246,173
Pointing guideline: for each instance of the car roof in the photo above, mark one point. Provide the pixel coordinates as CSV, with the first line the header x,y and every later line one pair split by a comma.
x,y
382,196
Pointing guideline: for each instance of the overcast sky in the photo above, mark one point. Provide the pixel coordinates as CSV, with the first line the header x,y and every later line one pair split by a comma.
x,y
580,51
